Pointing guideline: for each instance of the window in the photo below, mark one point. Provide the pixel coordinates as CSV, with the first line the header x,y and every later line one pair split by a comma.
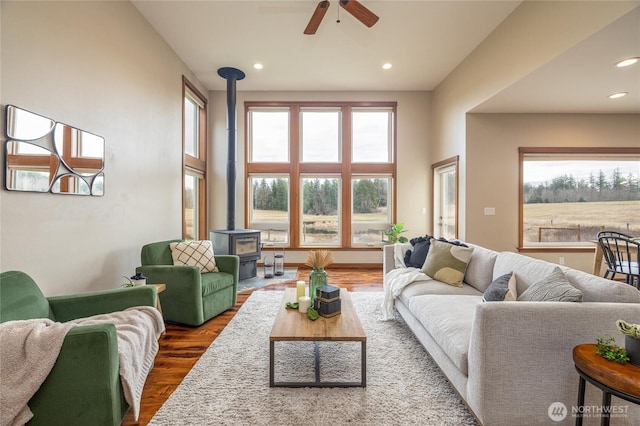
x,y
194,143
445,198
270,207
320,210
370,208
568,195
321,174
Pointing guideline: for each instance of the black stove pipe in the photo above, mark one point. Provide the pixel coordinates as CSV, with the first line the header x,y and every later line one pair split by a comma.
x,y
231,75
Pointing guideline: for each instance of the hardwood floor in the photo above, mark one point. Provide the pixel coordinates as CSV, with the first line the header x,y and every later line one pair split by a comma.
x,y
181,347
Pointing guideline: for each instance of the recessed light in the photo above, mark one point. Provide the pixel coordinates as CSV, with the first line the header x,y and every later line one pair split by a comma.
x,y
258,66
387,66
626,62
618,95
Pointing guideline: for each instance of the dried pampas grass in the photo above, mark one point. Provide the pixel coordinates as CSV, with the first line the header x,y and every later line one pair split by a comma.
x,y
319,259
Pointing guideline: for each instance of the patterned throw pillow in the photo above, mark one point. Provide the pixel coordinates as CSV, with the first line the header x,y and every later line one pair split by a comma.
x,y
502,288
553,288
447,262
194,253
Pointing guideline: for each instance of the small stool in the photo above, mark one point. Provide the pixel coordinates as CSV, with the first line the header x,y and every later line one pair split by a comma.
x,y
621,380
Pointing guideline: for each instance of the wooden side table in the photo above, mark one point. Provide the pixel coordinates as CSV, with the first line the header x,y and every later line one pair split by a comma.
x,y
621,380
159,289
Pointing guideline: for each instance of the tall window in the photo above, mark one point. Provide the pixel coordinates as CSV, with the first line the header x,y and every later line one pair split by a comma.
x,y
194,142
445,198
567,195
321,174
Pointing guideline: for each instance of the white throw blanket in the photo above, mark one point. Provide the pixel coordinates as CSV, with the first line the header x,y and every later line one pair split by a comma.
x,y
30,349
395,281
28,352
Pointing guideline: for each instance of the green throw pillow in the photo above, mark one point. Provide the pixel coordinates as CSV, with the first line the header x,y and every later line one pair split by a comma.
x,y
447,262
552,288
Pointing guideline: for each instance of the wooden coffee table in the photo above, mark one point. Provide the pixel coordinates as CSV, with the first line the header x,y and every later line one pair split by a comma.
x,y
291,325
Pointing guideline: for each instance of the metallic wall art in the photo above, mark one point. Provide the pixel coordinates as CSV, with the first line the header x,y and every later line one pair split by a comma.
x,y
42,155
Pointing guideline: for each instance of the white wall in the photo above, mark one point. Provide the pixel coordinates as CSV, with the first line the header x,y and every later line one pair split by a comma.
x,y
492,166
413,167
100,67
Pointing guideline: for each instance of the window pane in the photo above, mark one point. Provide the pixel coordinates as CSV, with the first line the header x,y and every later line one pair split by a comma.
x,y
190,206
371,136
570,201
371,209
190,127
270,208
320,136
320,211
269,136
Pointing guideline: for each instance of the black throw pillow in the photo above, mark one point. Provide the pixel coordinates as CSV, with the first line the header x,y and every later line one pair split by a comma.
x,y
419,253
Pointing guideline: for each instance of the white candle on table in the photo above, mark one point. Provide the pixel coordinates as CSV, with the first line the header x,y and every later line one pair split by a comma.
x,y
304,303
300,286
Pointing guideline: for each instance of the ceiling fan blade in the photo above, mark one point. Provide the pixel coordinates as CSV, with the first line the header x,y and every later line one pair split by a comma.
x,y
317,16
360,12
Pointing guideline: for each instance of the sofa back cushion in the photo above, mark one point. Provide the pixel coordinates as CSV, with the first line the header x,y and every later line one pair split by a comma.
x,y
594,289
21,299
157,253
479,272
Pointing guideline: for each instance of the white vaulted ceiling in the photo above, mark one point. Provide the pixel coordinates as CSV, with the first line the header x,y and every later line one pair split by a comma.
x,y
424,40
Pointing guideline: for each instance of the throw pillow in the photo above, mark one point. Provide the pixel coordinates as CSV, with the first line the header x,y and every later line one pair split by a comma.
x,y
447,262
419,253
502,288
553,288
194,253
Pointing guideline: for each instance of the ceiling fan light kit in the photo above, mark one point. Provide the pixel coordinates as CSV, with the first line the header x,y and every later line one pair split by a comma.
x,y
354,7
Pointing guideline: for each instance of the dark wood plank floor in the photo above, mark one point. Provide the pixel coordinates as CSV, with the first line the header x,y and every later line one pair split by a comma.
x,y
181,347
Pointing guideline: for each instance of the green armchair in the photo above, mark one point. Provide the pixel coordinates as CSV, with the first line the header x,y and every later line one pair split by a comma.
x,y
191,297
84,387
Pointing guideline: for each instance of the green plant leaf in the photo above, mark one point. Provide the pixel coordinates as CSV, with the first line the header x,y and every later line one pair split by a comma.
x,y
312,314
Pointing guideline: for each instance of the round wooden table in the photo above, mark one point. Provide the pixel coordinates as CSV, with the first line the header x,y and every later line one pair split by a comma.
x,y
621,380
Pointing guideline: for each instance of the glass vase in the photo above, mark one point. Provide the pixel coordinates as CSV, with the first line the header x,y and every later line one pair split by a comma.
x,y
317,278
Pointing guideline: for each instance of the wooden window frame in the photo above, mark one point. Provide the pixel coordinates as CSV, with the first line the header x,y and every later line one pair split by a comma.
x,y
451,161
197,164
522,152
295,168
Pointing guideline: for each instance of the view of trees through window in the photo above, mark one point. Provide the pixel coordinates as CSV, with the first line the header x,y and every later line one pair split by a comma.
x,y
570,201
331,182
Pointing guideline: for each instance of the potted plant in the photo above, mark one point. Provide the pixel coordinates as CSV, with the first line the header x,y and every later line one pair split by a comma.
x,y
631,340
393,234
139,279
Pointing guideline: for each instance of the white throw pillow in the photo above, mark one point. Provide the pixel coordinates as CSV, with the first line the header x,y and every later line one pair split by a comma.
x,y
194,253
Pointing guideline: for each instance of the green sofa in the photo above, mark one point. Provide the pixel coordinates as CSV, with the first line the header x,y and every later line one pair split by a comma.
x,y
84,386
191,297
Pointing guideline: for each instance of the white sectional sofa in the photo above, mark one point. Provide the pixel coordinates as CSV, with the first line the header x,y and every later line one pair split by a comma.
x,y
510,361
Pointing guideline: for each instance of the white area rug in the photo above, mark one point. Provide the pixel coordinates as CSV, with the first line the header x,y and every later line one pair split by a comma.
x,y
229,385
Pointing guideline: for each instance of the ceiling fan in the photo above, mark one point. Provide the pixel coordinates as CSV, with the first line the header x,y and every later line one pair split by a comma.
x,y
360,12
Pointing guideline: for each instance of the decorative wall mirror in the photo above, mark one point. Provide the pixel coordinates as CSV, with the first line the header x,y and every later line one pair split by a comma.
x,y
46,156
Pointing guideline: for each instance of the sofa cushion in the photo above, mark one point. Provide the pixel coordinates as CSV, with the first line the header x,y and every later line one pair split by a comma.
x,y
431,286
447,262
502,288
598,289
448,319
194,253
552,288
479,271
526,269
214,281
